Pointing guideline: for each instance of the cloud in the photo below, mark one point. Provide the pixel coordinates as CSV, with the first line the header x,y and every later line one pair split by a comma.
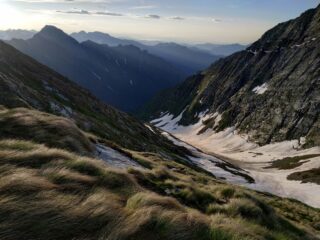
x,y
109,14
85,12
177,18
216,20
153,16
76,11
144,7
70,1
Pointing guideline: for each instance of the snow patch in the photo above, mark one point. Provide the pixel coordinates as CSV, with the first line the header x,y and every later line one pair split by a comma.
x,y
115,158
275,181
62,110
167,121
150,128
255,52
229,144
261,89
211,163
55,91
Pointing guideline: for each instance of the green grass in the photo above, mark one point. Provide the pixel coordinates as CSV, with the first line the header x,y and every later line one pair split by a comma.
x,y
291,162
308,176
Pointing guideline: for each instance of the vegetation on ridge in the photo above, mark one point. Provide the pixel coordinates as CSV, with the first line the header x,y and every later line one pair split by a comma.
x,y
56,132
51,193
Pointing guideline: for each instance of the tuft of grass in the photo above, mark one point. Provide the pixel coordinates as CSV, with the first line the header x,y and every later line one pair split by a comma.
x,y
226,192
141,200
39,127
16,145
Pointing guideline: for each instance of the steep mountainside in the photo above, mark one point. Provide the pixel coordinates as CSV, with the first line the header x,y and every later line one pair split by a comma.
x,y
269,91
125,76
188,60
26,83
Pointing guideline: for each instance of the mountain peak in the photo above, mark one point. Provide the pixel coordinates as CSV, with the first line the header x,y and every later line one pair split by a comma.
x,y
295,32
53,33
101,33
50,29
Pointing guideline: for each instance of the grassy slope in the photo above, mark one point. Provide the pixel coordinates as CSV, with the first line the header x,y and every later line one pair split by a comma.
x,y
41,127
53,194
48,193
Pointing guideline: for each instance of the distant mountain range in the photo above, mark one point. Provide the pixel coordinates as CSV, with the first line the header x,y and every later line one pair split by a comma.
x,y
16,34
188,60
123,76
115,69
104,38
221,49
187,57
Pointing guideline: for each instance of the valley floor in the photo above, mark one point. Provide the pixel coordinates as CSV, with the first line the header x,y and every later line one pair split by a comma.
x,y
255,161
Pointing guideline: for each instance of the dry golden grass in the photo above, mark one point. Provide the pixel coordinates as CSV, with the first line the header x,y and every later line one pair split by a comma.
x,y
56,132
53,194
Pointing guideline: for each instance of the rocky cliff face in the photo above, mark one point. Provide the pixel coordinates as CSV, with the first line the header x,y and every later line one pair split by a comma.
x,y
270,91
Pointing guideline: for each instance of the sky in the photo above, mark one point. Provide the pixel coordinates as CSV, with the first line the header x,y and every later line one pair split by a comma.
x,y
189,21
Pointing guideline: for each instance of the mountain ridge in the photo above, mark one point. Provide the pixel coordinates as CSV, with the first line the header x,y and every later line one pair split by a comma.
x,y
10,34
221,49
110,75
187,59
